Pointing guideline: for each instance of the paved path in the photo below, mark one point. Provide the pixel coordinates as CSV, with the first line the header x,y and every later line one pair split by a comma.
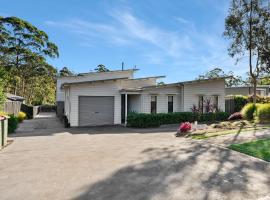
x,y
117,163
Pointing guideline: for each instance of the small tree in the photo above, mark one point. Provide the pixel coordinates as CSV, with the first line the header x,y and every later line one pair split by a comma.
x,y
101,68
247,25
231,80
65,72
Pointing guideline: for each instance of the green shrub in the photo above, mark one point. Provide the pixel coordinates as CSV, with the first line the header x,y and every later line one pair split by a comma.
x,y
259,99
239,102
12,123
222,116
263,113
248,111
21,116
140,120
177,117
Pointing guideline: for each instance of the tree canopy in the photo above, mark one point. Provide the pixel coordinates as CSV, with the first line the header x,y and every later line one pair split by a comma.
x,y
231,80
65,71
247,26
23,52
101,68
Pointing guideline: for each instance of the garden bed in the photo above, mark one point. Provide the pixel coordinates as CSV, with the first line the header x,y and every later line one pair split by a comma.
x,y
224,128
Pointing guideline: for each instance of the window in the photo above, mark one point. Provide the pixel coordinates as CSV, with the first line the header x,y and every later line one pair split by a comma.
x,y
153,104
215,102
201,104
170,104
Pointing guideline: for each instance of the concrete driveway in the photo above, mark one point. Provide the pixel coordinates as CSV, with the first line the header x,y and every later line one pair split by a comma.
x,y
46,161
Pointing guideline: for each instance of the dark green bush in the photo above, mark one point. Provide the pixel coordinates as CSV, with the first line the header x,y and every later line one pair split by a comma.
x,y
263,113
12,123
221,116
140,120
239,102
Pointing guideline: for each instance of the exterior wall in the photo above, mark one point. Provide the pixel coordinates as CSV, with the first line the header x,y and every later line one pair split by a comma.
x,y
110,88
207,89
162,99
60,94
138,83
246,91
134,103
237,91
67,103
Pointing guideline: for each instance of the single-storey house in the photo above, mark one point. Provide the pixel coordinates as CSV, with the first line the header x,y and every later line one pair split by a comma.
x,y
100,98
263,90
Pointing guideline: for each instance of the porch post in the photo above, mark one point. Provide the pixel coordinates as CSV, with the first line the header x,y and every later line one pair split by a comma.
x,y
126,110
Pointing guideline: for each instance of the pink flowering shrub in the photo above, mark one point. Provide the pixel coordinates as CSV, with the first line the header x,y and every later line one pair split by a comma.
x,y
183,128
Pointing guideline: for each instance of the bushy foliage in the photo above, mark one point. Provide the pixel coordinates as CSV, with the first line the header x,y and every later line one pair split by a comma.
x,y
12,123
259,99
236,116
141,120
263,113
21,116
239,102
248,111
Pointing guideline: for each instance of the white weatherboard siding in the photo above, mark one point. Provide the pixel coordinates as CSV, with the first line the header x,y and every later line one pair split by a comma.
x,y
60,95
138,83
110,88
162,94
207,89
67,103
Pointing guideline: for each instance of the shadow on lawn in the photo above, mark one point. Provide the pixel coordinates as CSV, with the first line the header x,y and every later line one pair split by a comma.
x,y
198,172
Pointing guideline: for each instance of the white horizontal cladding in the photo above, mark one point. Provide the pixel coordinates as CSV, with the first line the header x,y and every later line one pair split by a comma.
x,y
210,88
60,96
110,88
137,83
237,91
162,94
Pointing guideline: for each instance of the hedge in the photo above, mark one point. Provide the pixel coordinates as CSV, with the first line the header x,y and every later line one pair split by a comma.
x,y
141,120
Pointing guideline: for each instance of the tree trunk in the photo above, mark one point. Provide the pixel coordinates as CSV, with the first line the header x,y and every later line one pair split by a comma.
x,y
254,90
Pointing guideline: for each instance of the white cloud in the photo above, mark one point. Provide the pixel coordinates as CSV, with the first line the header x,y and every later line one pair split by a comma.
x,y
182,20
186,47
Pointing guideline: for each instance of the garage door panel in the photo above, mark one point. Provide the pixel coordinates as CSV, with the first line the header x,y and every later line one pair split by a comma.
x,y
95,110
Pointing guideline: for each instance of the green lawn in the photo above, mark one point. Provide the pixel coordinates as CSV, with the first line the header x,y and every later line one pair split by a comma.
x,y
258,148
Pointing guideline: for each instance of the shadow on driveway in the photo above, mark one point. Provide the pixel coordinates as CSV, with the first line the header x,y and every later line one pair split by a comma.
x,y
199,172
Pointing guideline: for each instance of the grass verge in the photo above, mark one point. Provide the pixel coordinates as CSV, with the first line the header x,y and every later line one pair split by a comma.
x,y
259,148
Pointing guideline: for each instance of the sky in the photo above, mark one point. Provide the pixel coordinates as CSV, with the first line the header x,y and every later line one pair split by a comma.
x,y
180,39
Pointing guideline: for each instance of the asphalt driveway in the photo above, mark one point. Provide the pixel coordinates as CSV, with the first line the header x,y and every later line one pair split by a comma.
x,y
46,161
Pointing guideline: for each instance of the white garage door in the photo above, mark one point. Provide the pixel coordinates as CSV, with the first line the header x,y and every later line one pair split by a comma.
x,y
95,111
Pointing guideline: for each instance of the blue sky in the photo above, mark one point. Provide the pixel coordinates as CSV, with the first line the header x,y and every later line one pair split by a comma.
x,y
179,39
